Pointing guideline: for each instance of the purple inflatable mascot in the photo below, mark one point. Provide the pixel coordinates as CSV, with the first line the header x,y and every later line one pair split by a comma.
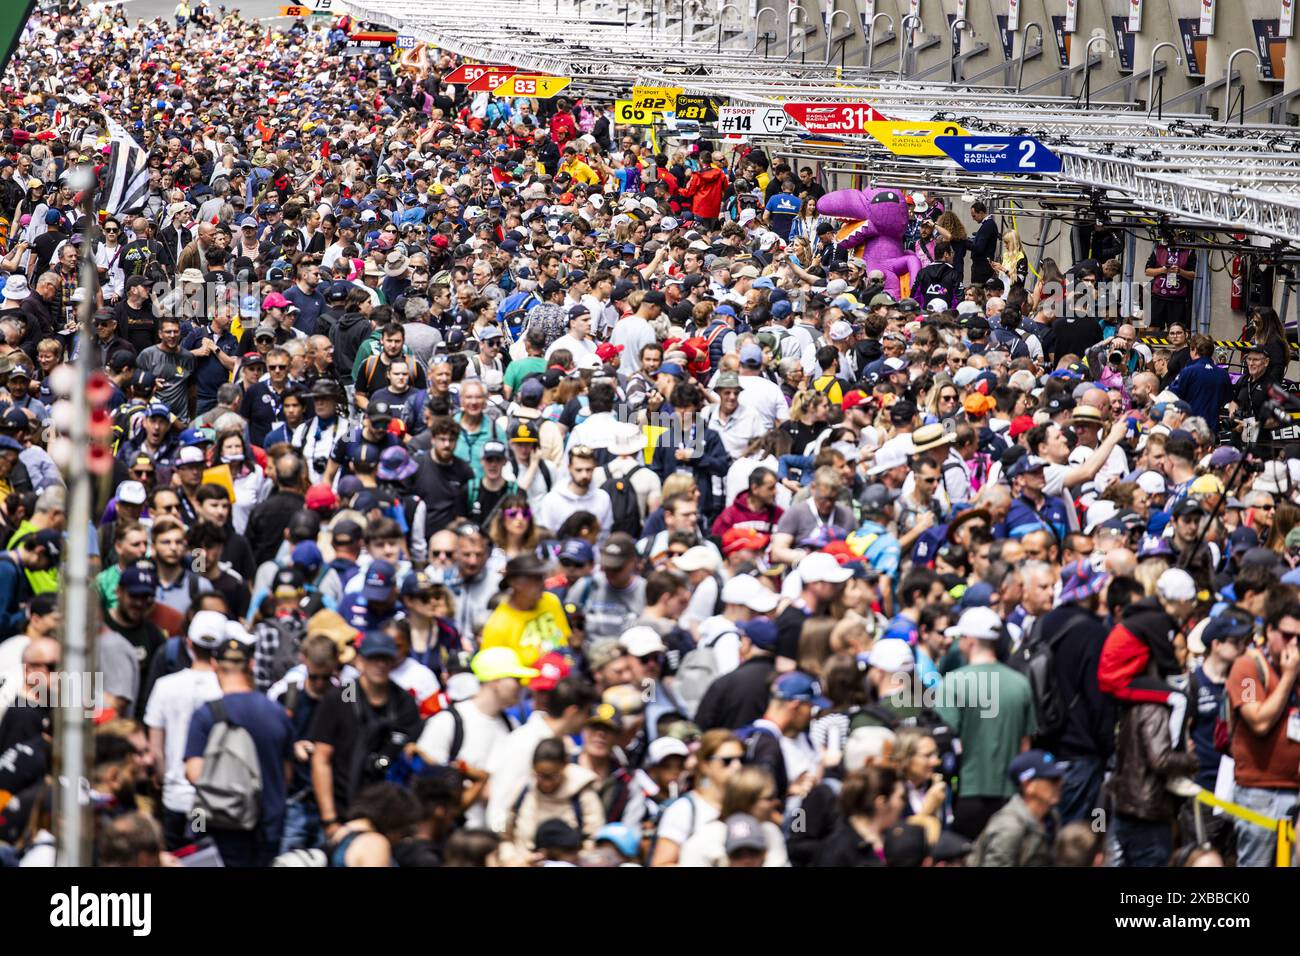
x,y
877,221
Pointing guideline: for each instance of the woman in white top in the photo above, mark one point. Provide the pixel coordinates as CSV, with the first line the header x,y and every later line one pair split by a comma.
x,y
249,480
719,757
108,261
750,791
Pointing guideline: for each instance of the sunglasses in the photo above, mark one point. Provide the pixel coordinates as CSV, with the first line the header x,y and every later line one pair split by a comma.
x,y
442,554
1289,636
277,368
110,230
729,761
141,472
519,512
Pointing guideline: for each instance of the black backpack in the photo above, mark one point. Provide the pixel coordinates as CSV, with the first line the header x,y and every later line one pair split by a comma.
x,y
626,507
1036,660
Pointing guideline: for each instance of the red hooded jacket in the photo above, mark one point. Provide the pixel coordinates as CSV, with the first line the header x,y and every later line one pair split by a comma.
x,y
705,190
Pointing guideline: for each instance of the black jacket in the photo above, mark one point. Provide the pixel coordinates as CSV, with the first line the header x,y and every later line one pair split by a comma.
x,y
267,522
938,280
1090,717
352,329
843,847
738,698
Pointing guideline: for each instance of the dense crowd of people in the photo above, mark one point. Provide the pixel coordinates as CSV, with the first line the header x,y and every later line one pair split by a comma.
x,y
493,485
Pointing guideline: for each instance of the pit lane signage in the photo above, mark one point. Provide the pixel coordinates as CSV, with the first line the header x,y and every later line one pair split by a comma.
x,y
753,120
843,118
912,139
625,114
1000,154
702,109
467,73
656,99
488,81
528,84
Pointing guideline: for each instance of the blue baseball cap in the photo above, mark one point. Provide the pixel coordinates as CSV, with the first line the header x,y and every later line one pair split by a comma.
x,y
622,837
725,309
577,551
377,644
782,309
978,594
799,686
250,307
381,577
673,369
1036,765
764,282
307,555
8,443
139,579
159,410
248,221
751,355
193,436
761,632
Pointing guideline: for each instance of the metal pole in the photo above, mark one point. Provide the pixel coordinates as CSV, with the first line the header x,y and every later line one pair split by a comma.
x,y
1024,45
871,40
1151,73
954,39
1227,85
73,820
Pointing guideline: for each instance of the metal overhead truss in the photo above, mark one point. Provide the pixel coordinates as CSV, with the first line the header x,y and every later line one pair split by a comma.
x,y
1184,166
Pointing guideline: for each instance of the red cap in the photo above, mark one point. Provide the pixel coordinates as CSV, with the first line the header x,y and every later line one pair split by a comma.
x,y
321,497
1020,425
840,551
607,350
440,241
554,668
743,539
855,398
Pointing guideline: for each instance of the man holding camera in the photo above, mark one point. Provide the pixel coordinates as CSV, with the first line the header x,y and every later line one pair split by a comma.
x,y
360,730
1248,406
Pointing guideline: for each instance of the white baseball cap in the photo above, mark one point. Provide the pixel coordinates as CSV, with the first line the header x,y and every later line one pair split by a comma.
x,y
892,656
868,743
887,458
820,567
642,640
131,493
1176,584
661,748
698,558
1152,482
207,629
744,590
840,331
981,623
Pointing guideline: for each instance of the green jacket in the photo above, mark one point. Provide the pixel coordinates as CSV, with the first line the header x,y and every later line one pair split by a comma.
x,y
1013,837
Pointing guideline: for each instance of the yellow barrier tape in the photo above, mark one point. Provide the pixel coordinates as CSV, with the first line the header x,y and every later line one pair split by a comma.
x,y
1285,829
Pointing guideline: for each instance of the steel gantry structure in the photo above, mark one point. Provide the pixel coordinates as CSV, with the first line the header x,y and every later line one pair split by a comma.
x,y
1182,167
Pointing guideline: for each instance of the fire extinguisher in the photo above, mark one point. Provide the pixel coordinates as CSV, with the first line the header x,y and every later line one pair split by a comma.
x,y
1238,284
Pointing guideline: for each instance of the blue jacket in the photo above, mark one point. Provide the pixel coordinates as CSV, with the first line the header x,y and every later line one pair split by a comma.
x,y
1023,518
14,593
713,461
1206,387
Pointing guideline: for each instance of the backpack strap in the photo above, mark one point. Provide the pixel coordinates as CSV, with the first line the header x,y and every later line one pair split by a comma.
x,y
218,708
457,733
577,814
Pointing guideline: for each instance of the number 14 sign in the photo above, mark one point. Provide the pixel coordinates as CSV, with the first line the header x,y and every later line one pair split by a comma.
x,y
1000,154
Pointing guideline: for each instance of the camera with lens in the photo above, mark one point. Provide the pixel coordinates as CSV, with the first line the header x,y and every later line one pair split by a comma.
x,y
319,463
384,758
1117,358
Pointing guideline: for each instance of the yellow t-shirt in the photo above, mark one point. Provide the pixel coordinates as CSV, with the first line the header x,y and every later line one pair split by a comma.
x,y
530,634
833,391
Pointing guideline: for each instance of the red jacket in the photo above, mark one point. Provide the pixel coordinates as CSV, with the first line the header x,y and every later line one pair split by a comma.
x,y
563,128
738,514
705,192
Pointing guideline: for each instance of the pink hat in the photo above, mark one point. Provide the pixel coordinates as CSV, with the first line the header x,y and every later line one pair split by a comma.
x,y
275,300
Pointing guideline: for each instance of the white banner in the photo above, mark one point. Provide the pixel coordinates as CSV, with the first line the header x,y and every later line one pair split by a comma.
x,y
1134,16
1207,17
1013,15
1071,15
1286,19
961,9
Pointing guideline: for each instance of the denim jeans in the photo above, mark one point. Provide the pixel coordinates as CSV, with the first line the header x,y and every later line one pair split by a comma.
x,y
1141,842
302,829
1255,845
1081,789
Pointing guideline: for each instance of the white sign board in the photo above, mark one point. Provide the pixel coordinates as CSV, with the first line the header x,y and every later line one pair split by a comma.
x,y
1134,16
753,120
1207,17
